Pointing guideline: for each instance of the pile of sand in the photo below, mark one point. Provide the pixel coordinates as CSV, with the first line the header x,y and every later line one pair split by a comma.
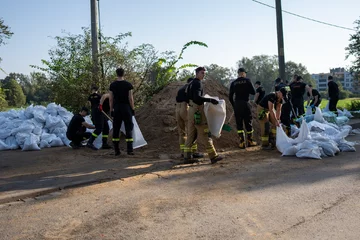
x,y
158,124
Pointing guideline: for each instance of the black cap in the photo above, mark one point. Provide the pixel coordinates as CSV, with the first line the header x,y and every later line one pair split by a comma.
x,y
242,70
258,82
278,80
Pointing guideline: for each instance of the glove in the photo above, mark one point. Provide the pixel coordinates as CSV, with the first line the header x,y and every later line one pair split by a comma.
x,y
133,112
312,106
214,101
100,107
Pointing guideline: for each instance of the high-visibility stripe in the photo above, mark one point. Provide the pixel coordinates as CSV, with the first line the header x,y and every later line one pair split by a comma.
x,y
273,130
265,138
194,147
206,130
95,135
187,150
182,146
116,139
105,136
240,131
129,139
84,138
250,132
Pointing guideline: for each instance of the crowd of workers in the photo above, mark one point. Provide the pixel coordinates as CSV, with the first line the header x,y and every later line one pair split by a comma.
x,y
279,108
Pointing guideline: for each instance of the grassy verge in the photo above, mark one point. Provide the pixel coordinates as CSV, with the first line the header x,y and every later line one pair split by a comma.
x,y
341,104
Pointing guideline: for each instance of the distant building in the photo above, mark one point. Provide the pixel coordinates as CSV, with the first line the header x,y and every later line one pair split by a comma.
x,y
321,80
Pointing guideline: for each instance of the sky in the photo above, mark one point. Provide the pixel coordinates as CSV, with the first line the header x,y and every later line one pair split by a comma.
x,y
232,29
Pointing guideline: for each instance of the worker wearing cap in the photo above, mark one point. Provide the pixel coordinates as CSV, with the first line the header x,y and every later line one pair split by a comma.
x,y
298,89
285,117
269,110
240,89
259,92
181,114
197,124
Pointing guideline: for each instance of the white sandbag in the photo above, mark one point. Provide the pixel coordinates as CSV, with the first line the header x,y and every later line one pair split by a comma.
x,y
304,133
21,137
326,109
322,153
44,144
64,139
3,146
52,109
309,153
26,127
215,115
330,148
347,113
37,131
318,116
98,141
59,130
354,131
4,133
307,144
11,143
30,143
290,151
139,140
282,141
294,131
340,121
11,114
29,112
345,146
308,111
52,121
56,142
40,116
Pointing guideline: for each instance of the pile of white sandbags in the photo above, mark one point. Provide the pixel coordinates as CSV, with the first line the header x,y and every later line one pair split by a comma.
x,y
34,128
317,138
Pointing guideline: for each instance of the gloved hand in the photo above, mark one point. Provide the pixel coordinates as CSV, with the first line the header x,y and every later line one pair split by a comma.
x,y
312,106
100,107
214,101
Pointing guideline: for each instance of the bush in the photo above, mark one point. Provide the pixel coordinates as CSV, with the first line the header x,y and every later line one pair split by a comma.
x,y
354,105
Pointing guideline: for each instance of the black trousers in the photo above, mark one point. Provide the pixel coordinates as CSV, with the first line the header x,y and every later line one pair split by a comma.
x,y
285,114
332,104
242,110
78,137
123,113
298,105
317,104
101,123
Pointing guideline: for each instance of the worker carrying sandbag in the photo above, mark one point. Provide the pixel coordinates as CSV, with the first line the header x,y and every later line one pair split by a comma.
x,y
197,125
269,110
181,114
240,89
76,131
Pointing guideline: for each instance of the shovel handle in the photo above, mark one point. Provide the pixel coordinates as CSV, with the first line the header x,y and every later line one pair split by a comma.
x,y
107,116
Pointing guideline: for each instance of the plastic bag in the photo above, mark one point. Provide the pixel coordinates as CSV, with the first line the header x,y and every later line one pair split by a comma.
x,y
11,143
52,109
139,140
308,111
318,116
26,127
290,151
282,141
347,113
4,133
340,121
28,113
3,146
309,153
304,133
30,143
56,142
215,115
346,147
330,148
64,139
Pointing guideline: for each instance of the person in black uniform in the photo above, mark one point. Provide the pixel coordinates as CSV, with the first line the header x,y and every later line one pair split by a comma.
x,y
96,116
259,92
286,107
298,89
122,109
333,92
104,107
316,100
242,88
76,131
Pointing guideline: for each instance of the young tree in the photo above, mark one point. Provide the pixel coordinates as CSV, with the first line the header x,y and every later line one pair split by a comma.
x,y
5,33
3,102
14,93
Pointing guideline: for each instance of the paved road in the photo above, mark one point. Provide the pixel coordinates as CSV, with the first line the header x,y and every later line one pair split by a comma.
x,y
252,195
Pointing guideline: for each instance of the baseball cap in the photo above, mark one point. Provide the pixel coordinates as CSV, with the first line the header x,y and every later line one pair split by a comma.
x,y
242,70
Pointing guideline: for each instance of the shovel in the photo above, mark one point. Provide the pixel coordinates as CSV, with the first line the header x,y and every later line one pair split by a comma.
x,y
107,116
227,127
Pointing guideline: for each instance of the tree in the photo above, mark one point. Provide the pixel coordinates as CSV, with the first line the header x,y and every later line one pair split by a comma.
x,y
3,102
14,93
220,74
354,50
5,33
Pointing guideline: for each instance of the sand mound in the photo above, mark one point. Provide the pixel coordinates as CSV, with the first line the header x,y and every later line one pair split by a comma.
x,y
158,124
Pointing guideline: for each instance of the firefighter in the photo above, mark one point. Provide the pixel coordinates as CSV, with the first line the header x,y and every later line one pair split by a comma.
x,y
298,89
285,116
197,125
96,116
269,110
333,92
242,88
181,114
104,108
76,131
259,92
122,110
316,100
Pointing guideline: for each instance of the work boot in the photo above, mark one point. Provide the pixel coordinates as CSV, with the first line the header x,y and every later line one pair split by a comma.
x,y
90,143
197,155
74,146
242,139
105,145
130,150
116,148
190,161
216,159
250,141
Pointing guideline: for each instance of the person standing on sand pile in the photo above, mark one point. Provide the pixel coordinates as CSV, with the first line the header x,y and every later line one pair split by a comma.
x,y
122,110
242,88
269,110
197,124
76,131
181,114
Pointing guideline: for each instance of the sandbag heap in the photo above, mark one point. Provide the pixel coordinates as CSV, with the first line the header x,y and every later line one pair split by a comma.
x,y
34,128
317,138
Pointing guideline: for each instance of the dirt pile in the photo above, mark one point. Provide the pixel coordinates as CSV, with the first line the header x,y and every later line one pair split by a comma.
x,y
158,124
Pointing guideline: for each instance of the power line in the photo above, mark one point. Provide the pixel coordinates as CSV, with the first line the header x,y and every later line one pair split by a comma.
x,y
310,19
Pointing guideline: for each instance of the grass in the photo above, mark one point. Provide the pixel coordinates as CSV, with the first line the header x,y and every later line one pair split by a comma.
x,y
341,104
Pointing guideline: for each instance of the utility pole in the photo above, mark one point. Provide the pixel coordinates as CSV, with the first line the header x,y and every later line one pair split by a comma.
x,y
95,40
280,37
